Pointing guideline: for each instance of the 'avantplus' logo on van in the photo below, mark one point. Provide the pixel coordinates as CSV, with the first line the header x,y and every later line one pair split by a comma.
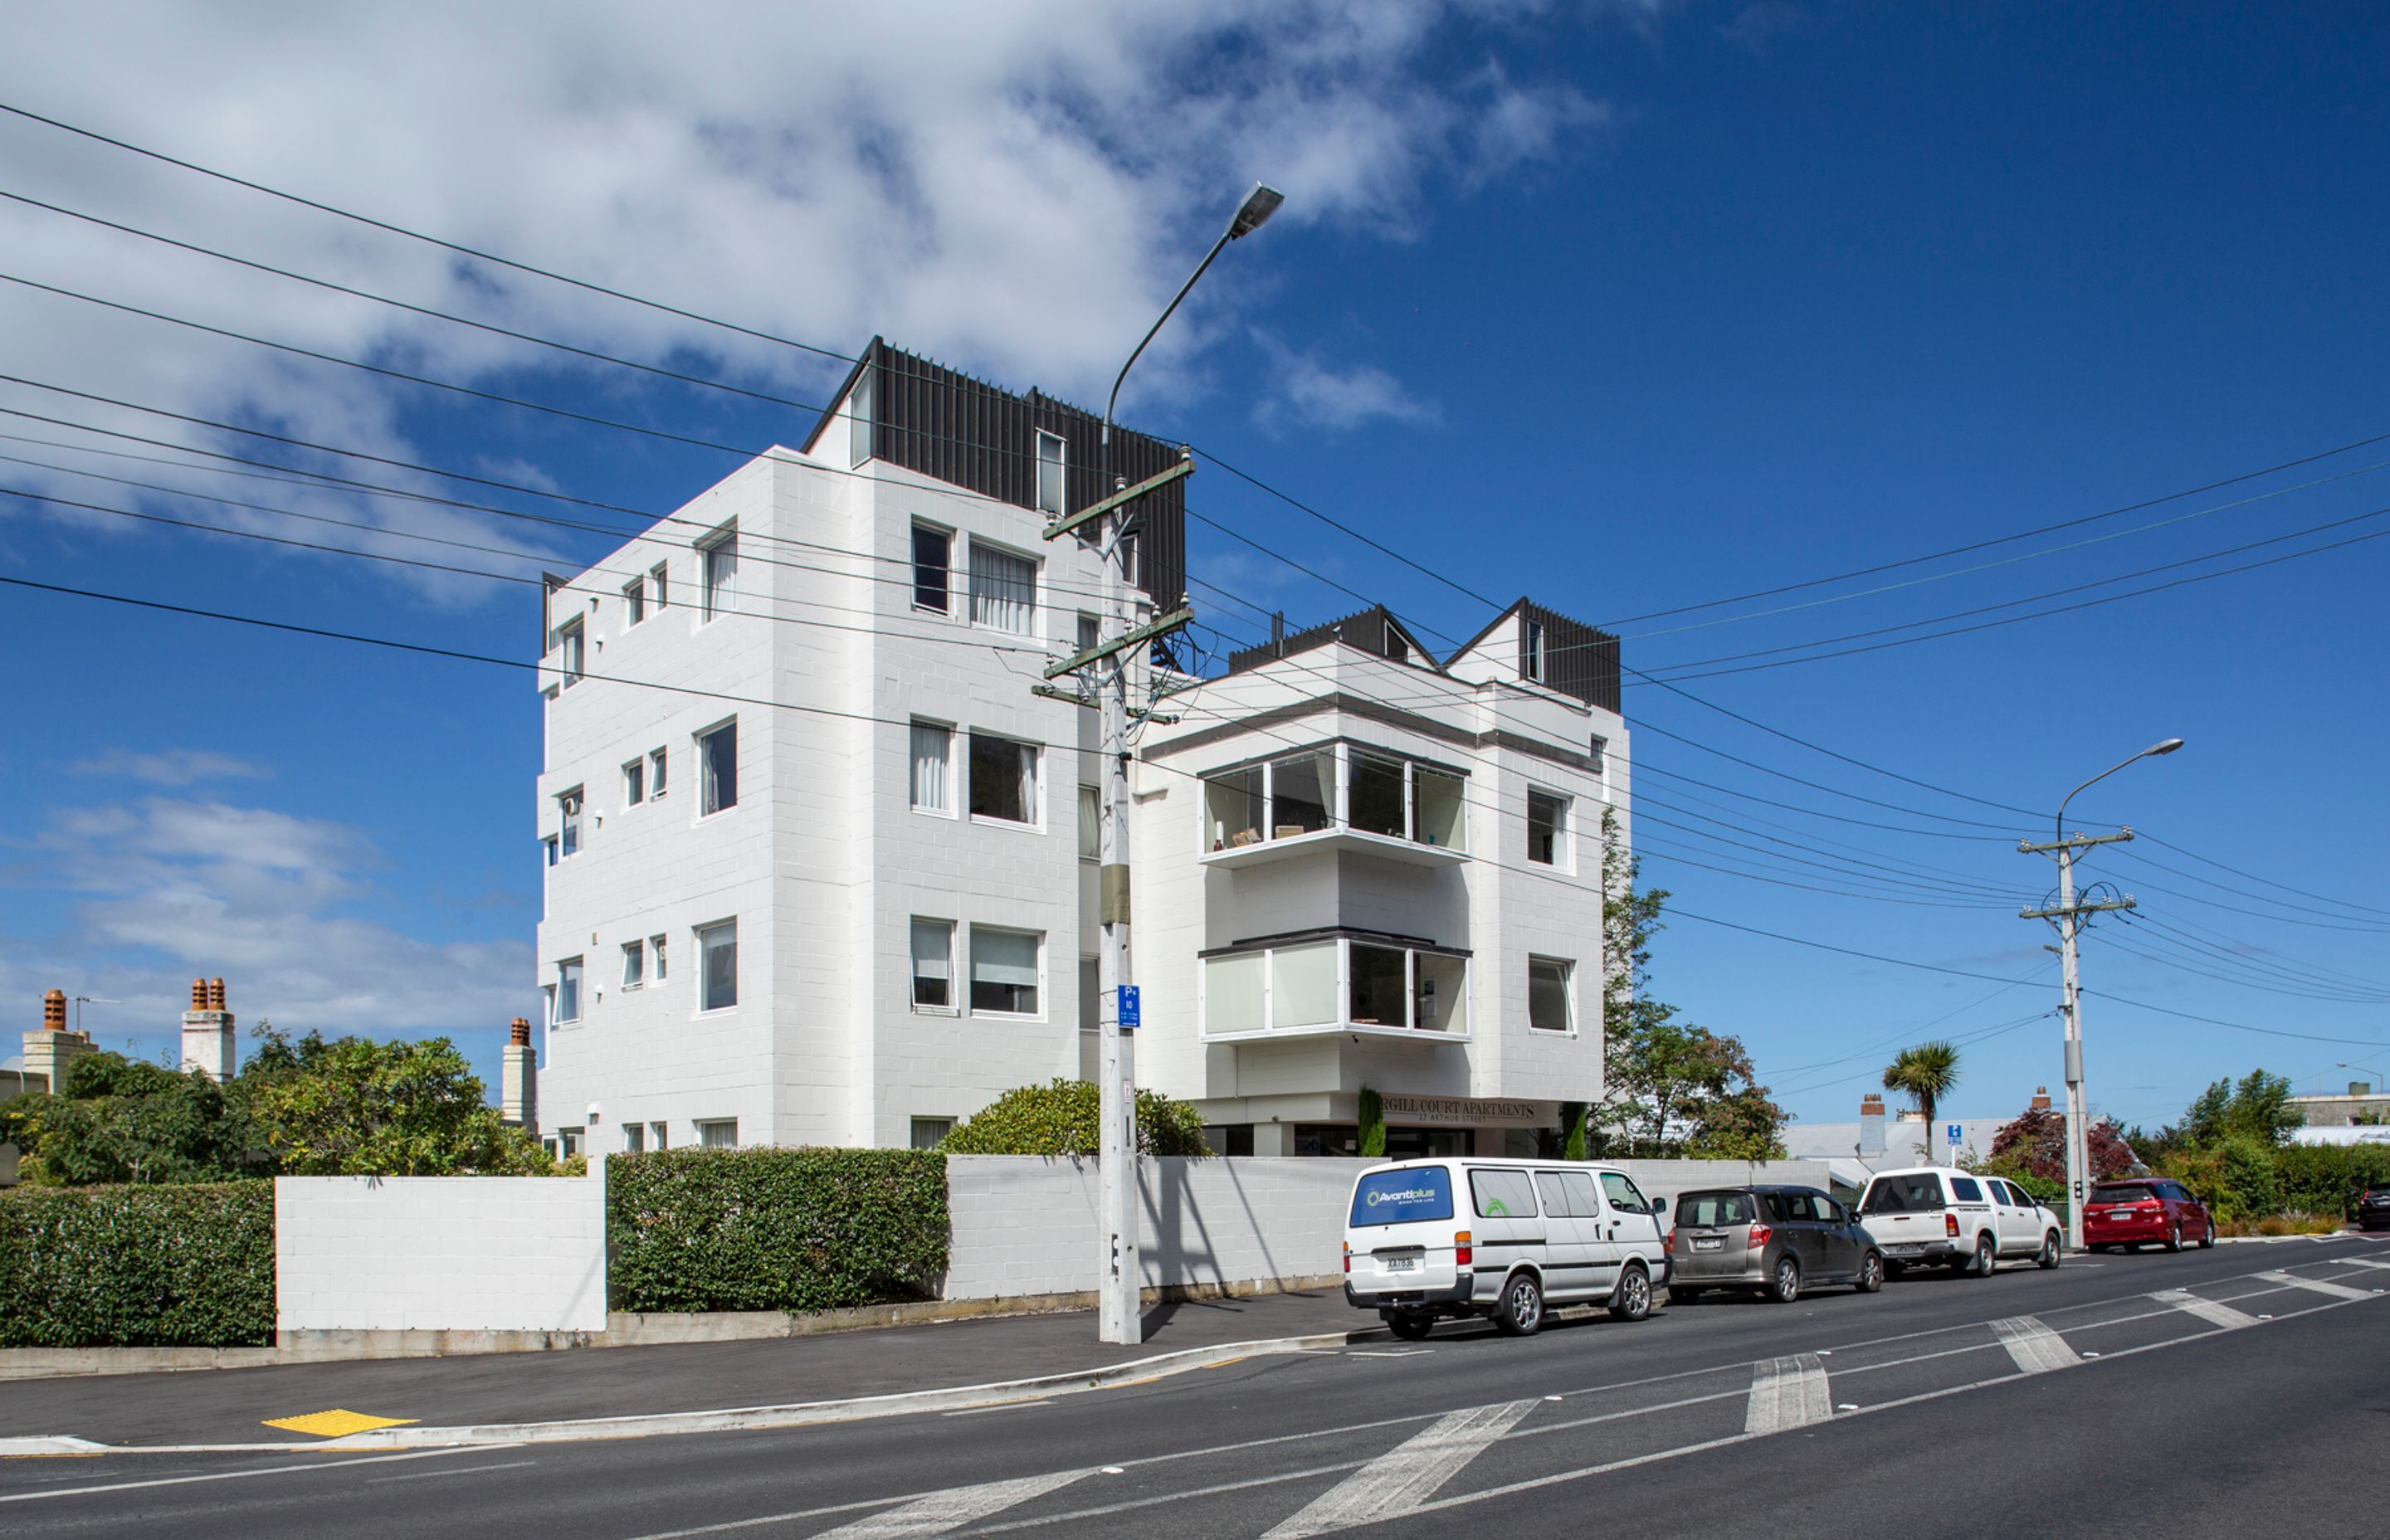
x,y
1409,1195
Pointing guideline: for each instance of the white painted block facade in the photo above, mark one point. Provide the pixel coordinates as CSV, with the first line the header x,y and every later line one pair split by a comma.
x,y
439,1254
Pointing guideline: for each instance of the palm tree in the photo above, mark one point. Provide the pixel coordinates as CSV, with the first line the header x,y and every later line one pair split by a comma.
x,y
1925,1075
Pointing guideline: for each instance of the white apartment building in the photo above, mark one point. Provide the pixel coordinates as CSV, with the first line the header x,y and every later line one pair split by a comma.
x,y
820,865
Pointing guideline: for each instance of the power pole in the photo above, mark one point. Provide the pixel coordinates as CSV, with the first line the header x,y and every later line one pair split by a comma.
x,y
1105,668
2068,917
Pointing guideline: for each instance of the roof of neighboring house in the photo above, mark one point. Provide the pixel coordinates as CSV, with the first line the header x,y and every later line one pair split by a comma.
x,y
1375,629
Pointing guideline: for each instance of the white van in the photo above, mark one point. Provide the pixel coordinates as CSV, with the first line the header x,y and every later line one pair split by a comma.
x,y
1501,1238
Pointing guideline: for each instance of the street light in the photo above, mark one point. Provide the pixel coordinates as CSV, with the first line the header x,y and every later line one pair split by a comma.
x,y
2069,916
1118,1269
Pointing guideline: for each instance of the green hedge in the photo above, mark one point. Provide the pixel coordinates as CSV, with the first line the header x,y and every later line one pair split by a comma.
x,y
137,1266
775,1230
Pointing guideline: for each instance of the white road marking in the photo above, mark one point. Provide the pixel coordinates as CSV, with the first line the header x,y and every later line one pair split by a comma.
x,y
1788,1393
2206,1309
2360,1261
941,1511
2035,1348
442,1475
2338,1291
1406,1475
335,1463
999,1406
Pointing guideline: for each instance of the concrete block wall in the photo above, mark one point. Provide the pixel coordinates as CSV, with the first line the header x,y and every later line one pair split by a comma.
x,y
439,1254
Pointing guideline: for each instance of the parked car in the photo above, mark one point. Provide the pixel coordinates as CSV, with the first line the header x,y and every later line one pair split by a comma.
x,y
2373,1207
1929,1217
1774,1239
2126,1214
1506,1239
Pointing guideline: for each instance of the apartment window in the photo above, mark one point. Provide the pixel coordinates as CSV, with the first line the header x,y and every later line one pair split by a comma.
x,y
929,1132
1004,970
1003,779
1091,824
1375,796
656,948
635,1138
1530,649
568,807
1548,829
549,845
634,964
860,415
568,991
932,569
718,966
656,576
1303,793
718,1133
635,783
635,600
933,965
547,998
1338,984
569,641
1049,473
1549,1008
660,1136
1003,590
567,1142
1344,785
721,561
932,771
656,773
717,767
1599,750
1091,994
1091,631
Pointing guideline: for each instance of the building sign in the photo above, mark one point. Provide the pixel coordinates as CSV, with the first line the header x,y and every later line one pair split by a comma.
x,y
1468,1110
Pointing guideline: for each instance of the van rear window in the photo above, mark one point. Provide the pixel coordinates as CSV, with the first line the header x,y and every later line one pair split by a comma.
x,y
1706,1210
1403,1197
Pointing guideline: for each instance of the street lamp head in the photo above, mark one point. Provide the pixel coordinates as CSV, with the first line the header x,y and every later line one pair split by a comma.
x,y
2168,747
1254,212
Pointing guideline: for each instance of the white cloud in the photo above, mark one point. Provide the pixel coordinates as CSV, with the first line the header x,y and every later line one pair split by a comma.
x,y
157,891
1016,187
174,767
1317,394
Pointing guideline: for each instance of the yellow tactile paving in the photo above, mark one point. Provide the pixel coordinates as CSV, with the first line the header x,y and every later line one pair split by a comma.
x,y
336,1423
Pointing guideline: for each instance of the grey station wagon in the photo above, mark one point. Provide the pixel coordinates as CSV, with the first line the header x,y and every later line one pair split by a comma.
x,y
1777,1241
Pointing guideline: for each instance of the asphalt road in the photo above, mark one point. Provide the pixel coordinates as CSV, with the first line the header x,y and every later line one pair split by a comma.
x,y
2215,1392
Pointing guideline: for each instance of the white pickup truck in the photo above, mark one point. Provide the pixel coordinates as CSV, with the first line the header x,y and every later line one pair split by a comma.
x,y
1933,1216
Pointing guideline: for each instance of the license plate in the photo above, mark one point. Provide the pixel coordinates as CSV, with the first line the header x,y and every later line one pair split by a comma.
x,y
1709,1243
1402,1265
1904,1251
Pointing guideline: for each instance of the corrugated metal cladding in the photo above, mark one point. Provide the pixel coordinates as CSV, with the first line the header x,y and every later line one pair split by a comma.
x,y
944,424
1372,630
1578,660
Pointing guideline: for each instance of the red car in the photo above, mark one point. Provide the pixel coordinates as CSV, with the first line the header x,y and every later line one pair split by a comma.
x,y
2137,1212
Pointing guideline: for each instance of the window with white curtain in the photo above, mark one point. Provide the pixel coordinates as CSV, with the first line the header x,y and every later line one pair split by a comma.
x,y
718,966
1004,970
718,1133
934,767
721,558
1003,779
1091,824
1003,590
717,763
1049,473
933,963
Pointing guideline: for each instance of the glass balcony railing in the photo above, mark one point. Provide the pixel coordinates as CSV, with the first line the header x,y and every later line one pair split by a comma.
x,y
1320,985
1343,795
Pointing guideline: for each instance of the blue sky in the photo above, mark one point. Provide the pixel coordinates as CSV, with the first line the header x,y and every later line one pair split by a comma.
x,y
1630,306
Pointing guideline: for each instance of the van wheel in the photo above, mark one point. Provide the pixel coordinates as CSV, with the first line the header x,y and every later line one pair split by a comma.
x,y
2047,1257
1412,1325
1633,1300
1871,1274
1784,1285
1521,1310
1984,1261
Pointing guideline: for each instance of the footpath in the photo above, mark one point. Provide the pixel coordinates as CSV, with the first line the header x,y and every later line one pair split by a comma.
x,y
775,1381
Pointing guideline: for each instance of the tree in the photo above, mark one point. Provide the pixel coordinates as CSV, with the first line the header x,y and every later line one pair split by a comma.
x,y
120,1119
1925,1074
1673,1088
2258,1108
2035,1145
1066,1118
353,1107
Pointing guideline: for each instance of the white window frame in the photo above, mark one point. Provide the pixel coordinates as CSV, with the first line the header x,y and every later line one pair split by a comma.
x,y
706,787
953,775
1091,800
1463,1022
572,806
1035,791
1051,500
656,946
1044,996
705,971
710,1129
572,651
634,964
1599,752
1564,834
634,602
970,586
912,975
711,594
635,1138
861,417
944,1126
1530,649
657,573
576,968
945,606
635,781
1568,995
1342,752
657,765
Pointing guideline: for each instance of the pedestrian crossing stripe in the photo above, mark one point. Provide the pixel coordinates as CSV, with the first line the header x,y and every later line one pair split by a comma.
x,y
336,1423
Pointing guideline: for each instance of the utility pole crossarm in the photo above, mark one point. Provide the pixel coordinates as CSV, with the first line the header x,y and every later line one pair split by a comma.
x,y
2060,913
1184,467
2074,842
1183,615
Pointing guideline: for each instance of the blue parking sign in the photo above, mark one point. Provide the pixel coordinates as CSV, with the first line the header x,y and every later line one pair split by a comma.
x,y
1958,1135
1128,1008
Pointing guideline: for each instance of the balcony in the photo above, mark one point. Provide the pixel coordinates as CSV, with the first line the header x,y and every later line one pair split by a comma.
x,y
1334,983
1338,797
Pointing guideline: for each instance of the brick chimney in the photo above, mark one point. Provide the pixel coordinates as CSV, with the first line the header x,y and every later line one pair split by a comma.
x,y
209,1042
1871,1124
49,1052
2041,1098
518,1078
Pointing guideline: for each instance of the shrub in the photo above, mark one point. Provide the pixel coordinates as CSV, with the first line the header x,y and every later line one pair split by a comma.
x,y
1065,1118
2323,1179
2235,1174
1373,1124
1576,1130
187,1265
775,1230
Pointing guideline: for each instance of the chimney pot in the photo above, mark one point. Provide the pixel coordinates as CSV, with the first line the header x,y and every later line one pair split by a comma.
x,y
2041,1098
519,1033
215,995
54,1010
198,994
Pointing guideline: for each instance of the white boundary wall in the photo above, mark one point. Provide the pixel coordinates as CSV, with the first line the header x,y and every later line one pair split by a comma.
x,y
439,1254
1025,1226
